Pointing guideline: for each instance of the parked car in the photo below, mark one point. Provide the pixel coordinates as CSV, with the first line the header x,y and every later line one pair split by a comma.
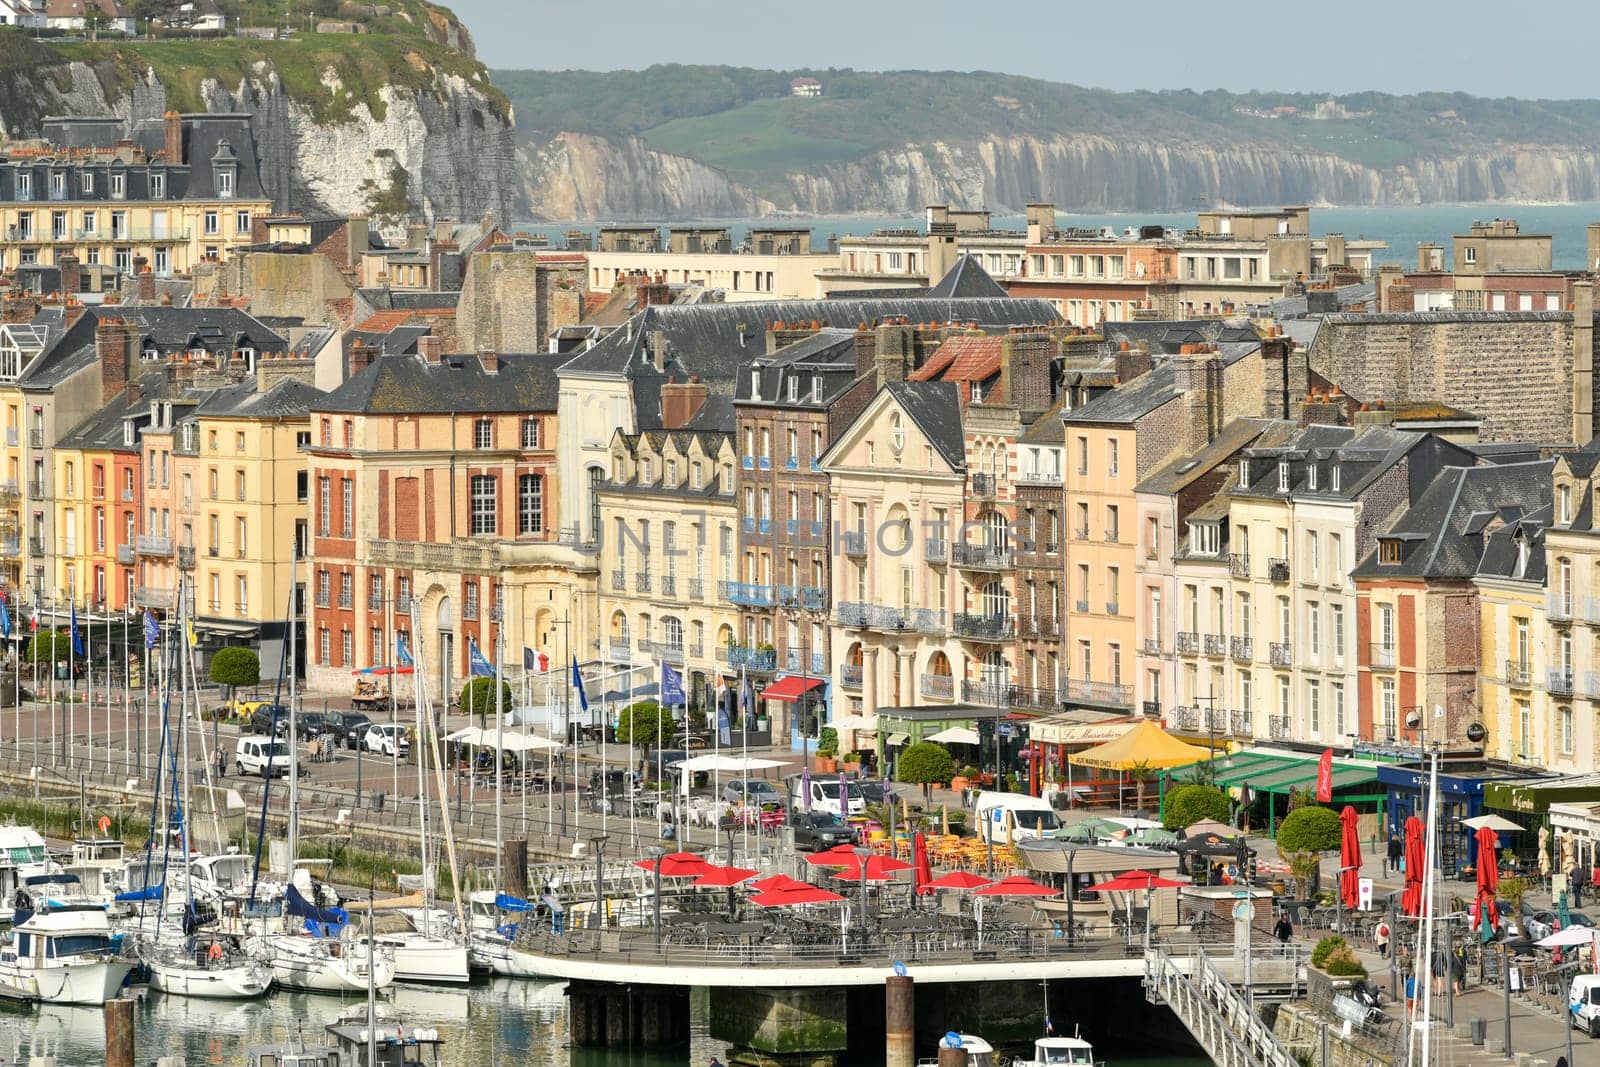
x,y
755,790
352,728
1583,1002
270,718
386,739
310,724
875,790
817,831
1541,924
254,755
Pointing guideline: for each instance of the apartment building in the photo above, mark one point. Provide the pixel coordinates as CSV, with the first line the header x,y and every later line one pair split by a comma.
x,y
1040,497
1516,636
434,510
667,594
159,196
916,259
1420,607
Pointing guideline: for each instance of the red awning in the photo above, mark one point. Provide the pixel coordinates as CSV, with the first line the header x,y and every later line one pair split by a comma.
x,y
790,688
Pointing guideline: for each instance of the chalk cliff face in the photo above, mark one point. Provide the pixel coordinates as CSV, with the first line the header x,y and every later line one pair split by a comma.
x,y
440,151
575,176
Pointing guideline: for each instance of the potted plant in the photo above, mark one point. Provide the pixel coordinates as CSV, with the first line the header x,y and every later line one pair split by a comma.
x,y
827,749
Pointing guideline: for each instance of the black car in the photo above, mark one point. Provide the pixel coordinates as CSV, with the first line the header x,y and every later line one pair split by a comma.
x,y
273,718
349,727
818,830
875,790
311,724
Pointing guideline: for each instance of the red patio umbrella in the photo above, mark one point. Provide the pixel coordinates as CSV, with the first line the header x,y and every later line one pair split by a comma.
x,y
723,877
1488,881
1132,881
1349,857
775,882
1411,895
878,869
1017,885
677,865
957,880
804,894
837,856
924,871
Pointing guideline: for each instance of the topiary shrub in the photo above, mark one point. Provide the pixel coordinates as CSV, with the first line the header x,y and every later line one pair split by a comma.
x,y
477,697
1309,829
236,666
642,723
925,763
828,743
1327,947
1342,963
1188,804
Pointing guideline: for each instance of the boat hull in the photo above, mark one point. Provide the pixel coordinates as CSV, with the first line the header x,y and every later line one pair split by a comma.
x,y
428,959
315,973
229,982
74,983
504,959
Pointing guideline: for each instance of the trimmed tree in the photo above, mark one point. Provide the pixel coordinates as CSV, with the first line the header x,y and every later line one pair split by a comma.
x,y
1303,835
642,723
236,666
925,764
1188,804
48,646
477,698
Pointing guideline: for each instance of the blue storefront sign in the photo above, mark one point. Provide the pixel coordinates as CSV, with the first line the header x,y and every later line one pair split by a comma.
x,y
1460,798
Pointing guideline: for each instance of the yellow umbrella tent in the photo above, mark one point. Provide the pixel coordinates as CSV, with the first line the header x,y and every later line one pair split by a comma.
x,y
1146,745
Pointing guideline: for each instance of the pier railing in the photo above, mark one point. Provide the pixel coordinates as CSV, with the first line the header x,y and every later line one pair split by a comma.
x,y
1210,1008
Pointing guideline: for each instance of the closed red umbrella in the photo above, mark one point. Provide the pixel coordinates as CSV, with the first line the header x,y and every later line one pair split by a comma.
x,y
1488,881
924,873
1349,857
1411,895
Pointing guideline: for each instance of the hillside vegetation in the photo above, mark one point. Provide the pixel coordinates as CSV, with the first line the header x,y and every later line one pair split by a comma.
x,y
743,120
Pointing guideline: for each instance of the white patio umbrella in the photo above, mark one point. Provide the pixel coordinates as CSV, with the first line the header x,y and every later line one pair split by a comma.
x,y
1498,824
954,735
1567,938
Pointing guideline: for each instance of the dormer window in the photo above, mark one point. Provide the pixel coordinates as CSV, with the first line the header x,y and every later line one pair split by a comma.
x,y
644,470
1333,478
119,185
1311,475
224,169
672,473
225,183
755,385
24,185
158,185
1522,554
1205,538
1244,472
127,431
793,385
816,388
1283,476
694,476
58,185
1564,504
1389,551
86,181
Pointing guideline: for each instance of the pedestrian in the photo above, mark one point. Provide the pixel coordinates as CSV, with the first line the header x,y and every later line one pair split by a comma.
x,y
1411,994
714,1062
1575,881
1458,970
1283,930
1391,862
1380,937
1440,965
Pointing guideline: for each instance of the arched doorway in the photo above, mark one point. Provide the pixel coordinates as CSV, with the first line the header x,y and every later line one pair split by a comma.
x,y
444,620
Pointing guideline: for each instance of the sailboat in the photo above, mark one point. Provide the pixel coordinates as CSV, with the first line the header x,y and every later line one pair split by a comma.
x,y
213,965
428,953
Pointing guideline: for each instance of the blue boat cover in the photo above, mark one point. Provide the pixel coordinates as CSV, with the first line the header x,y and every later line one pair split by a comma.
x,y
149,892
301,908
507,902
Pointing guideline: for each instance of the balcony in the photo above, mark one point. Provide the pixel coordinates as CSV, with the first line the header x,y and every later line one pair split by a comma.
x,y
814,664
926,620
983,486
1216,645
1113,607
934,686
1519,673
619,581
697,651
996,628
991,693
402,604
936,550
324,599
850,677
1239,564
697,588
1278,570
792,463
572,537
620,652
35,546
374,601
747,462
1080,533
464,555
1240,724
751,658
1039,626
347,601
1559,608
1381,657
669,585
153,545
1075,690
981,557
1241,649
1151,709
746,594
853,542
747,524
1188,643
186,557
36,437
150,597
1559,681
641,582
1278,727
1151,646
809,597
1279,654
1034,698
125,554
863,616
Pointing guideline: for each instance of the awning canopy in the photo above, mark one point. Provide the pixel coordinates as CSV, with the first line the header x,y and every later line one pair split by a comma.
x,y
854,722
954,735
714,761
791,687
507,740
897,739
1062,729
1280,772
1146,745
1536,795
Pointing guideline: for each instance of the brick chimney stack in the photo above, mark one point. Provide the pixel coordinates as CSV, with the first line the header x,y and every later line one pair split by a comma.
x,y
172,126
681,402
1198,378
490,360
430,348
112,339
361,357
1026,357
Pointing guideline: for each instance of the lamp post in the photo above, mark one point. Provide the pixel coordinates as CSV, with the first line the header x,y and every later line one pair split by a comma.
x,y
862,854
599,876
656,852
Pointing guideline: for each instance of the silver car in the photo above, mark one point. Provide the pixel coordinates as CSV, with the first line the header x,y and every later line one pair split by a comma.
x,y
753,790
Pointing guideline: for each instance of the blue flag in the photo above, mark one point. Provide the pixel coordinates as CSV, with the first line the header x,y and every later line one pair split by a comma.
x,y
577,683
480,667
671,686
152,631
529,660
402,655
5,620
723,737
77,638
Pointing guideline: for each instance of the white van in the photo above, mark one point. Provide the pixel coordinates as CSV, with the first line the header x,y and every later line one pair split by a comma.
x,y
825,795
1028,816
252,754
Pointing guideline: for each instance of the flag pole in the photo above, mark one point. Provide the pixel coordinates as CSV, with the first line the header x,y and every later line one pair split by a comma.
x,y
744,752
499,757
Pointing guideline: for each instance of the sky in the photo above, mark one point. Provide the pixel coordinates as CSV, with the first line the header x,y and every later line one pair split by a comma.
x,y
1398,46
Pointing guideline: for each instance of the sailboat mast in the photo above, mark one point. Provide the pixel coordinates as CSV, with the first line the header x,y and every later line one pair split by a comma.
x,y
499,753
294,732
417,681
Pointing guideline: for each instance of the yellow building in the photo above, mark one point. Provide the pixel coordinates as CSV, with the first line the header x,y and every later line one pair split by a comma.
x,y
667,587
1572,609
92,191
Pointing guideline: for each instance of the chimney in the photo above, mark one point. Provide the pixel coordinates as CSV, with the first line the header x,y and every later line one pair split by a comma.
x,y
145,280
112,339
658,349
362,355
172,126
131,393
430,348
71,275
1593,265
1132,361
1582,362
895,353
1041,221
1374,414
681,402
1198,377
490,360
1025,362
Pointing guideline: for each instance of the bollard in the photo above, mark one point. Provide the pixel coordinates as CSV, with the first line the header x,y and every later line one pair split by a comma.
x,y
119,1032
899,1007
952,1057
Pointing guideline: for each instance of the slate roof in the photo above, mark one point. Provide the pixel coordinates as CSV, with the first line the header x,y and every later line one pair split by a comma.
x,y
966,279
1046,429
103,429
1500,554
1131,401
1164,337
936,409
289,398
171,330
401,384
204,134
1444,528
1184,469
827,354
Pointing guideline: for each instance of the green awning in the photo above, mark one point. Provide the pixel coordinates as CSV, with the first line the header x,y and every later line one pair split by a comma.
x,y
1274,772
1536,795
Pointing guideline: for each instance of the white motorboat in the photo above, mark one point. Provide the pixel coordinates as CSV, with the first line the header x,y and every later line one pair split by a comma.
x,y
62,954
427,958
211,966
97,863
979,1052
1060,1052
324,964
397,1045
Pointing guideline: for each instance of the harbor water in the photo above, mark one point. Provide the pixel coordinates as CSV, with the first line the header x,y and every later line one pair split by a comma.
x,y
502,1021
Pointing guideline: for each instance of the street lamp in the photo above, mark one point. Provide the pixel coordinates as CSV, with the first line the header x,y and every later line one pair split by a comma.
x,y
862,855
655,852
599,874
